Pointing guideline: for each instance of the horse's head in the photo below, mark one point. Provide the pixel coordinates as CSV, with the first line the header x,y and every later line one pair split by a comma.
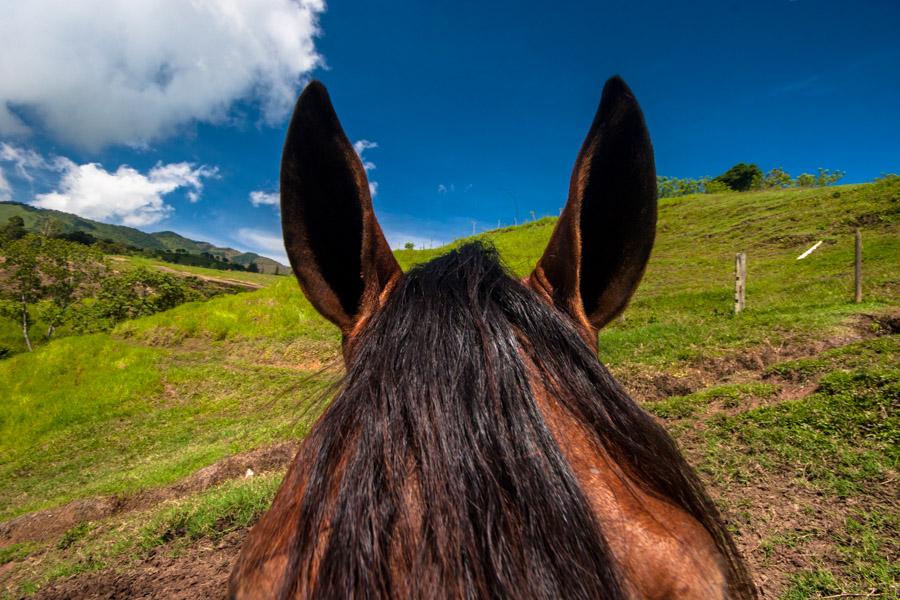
x,y
477,447
589,270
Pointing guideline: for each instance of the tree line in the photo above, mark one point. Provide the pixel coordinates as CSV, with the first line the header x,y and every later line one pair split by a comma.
x,y
744,177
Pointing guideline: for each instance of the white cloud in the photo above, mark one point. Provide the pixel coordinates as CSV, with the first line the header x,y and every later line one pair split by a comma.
x,y
99,72
361,146
445,189
24,160
5,190
261,198
262,242
125,196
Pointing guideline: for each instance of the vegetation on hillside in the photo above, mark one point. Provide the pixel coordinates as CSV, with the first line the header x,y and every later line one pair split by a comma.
x,y
118,239
744,177
69,287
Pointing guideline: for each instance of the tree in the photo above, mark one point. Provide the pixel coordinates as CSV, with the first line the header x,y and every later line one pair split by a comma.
x,y
44,276
138,293
253,267
68,269
826,177
741,177
13,230
81,237
47,226
805,180
22,282
713,186
778,178
409,246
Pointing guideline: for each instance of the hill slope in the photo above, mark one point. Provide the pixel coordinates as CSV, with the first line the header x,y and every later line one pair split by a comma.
x,y
162,240
161,397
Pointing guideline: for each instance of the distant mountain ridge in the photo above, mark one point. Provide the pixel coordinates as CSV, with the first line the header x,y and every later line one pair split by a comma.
x,y
161,240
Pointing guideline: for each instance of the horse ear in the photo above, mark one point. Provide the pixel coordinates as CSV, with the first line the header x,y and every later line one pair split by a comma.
x,y
602,241
334,242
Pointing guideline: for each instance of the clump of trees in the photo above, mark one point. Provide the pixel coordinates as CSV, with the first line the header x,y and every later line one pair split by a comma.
x,y
743,177
58,282
132,294
205,259
42,278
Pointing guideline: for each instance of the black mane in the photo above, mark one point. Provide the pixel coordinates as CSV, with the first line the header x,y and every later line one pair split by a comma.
x,y
437,413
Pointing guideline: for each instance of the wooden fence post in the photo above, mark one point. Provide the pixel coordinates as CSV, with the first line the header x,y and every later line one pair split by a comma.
x,y
740,281
857,271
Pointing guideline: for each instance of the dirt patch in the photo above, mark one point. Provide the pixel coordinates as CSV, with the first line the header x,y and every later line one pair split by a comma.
x,y
199,572
222,280
786,528
748,365
48,524
656,386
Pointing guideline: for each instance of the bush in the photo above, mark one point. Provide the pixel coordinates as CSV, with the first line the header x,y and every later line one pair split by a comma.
x,y
715,187
141,292
741,177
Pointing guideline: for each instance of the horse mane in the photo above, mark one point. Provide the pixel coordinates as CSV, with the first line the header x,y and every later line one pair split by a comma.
x,y
433,468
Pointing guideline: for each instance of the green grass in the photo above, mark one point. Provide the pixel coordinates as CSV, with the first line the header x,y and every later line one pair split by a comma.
x,y
864,545
729,396
245,276
16,552
127,417
837,440
881,351
278,312
210,514
213,514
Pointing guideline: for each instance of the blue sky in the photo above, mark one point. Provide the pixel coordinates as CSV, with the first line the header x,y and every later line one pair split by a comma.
x,y
171,115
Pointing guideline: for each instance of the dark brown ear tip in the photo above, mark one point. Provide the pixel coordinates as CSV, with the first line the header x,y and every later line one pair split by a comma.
x,y
616,89
315,87
314,96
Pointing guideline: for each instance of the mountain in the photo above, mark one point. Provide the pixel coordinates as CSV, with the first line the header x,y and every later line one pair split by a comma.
x,y
174,242
160,241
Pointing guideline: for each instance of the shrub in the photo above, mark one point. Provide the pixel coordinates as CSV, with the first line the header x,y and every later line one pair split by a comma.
x,y
741,177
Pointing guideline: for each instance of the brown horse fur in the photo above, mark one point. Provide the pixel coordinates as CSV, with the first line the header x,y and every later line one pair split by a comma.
x,y
477,448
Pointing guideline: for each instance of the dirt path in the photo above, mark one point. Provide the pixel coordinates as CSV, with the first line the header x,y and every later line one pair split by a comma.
x,y
49,524
200,573
223,280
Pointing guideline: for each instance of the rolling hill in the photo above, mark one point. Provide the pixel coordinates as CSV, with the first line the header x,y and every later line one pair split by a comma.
x,y
123,455
162,240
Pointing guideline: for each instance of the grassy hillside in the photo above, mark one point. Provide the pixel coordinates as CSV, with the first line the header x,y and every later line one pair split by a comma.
x,y
69,223
11,331
160,397
174,242
162,240
257,279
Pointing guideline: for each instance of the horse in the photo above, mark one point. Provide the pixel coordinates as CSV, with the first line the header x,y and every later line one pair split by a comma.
x,y
477,447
